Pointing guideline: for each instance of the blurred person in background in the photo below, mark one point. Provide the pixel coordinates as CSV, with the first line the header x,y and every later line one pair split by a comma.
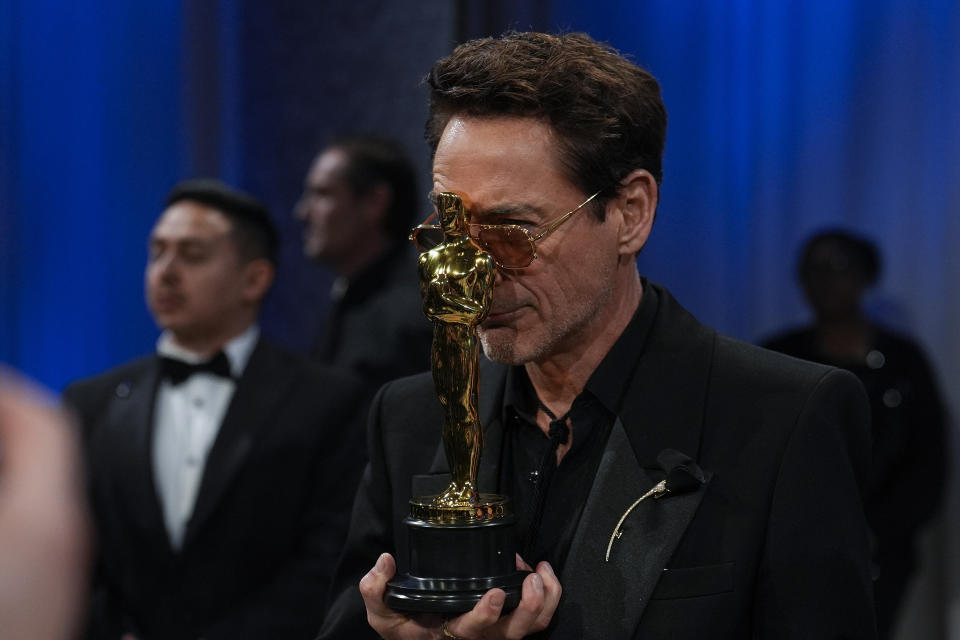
x,y
835,270
216,512
359,202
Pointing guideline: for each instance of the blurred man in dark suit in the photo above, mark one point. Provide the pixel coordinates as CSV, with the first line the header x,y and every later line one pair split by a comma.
x,y
216,513
358,204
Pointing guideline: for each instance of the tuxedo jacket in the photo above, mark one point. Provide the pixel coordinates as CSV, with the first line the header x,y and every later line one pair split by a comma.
x,y
773,545
270,512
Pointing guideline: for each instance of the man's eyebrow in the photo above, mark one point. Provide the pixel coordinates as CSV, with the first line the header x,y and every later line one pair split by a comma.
x,y
509,209
497,211
187,242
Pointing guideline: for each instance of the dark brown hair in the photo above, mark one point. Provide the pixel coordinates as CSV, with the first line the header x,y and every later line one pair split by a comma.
x,y
851,252
373,160
606,112
253,228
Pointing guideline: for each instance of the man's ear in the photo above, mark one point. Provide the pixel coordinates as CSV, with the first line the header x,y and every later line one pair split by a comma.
x,y
376,205
258,278
637,204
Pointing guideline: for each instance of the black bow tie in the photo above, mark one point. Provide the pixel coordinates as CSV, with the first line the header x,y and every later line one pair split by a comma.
x,y
176,371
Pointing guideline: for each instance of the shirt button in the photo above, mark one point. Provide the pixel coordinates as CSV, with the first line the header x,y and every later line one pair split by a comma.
x,y
876,359
892,398
191,461
198,402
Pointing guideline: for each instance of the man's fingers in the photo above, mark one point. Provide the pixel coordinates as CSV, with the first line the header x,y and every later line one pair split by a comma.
x,y
474,623
524,619
540,594
552,590
374,584
384,620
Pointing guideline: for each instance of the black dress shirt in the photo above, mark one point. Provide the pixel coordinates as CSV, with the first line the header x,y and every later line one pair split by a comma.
x,y
592,415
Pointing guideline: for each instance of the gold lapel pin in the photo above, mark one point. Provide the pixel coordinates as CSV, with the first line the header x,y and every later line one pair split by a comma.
x,y
682,475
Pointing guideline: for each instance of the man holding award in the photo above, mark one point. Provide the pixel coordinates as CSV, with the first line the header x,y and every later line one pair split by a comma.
x,y
656,479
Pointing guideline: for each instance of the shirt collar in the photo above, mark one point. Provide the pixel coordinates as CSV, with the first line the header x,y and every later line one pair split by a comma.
x,y
370,279
611,379
237,351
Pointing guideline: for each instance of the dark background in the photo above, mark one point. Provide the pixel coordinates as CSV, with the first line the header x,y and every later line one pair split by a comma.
x,y
784,117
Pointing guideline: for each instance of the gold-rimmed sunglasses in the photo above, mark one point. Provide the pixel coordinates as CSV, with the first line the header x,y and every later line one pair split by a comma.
x,y
511,245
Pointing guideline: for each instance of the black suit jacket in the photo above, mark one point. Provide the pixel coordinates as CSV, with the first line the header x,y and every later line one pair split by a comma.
x,y
269,516
378,329
774,545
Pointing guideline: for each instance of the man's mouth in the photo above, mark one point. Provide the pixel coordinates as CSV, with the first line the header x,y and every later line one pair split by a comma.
x,y
168,302
502,316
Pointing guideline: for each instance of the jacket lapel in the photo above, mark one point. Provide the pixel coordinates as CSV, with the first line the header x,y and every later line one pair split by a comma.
x,y
665,401
263,385
125,441
662,408
606,599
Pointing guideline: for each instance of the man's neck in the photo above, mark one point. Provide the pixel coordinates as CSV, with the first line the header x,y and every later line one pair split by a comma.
x,y
208,344
362,257
559,378
847,337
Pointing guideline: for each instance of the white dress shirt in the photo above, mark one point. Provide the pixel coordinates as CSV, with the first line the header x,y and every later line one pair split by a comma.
x,y
186,421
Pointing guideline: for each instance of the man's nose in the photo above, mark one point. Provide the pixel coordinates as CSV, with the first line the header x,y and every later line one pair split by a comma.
x,y
168,267
300,209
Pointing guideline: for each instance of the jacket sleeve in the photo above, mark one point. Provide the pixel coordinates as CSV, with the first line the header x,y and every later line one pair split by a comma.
x,y
369,535
815,575
291,604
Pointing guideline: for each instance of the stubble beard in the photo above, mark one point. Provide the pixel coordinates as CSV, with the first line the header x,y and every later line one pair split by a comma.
x,y
502,350
506,346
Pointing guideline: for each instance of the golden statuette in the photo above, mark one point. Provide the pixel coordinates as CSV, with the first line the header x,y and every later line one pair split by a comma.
x,y
456,281
461,543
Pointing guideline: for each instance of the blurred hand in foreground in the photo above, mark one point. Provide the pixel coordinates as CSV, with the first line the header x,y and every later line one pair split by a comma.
x,y
44,527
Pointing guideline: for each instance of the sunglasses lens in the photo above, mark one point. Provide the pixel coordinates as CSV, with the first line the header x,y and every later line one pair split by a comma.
x,y
509,245
426,238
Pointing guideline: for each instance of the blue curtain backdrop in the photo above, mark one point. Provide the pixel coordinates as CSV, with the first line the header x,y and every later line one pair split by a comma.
x,y
104,105
91,121
785,116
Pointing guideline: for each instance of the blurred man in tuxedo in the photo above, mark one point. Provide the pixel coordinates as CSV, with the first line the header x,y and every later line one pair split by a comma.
x,y
216,513
600,386
359,202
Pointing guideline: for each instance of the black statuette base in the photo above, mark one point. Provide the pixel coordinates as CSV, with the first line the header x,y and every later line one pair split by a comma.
x,y
453,565
449,595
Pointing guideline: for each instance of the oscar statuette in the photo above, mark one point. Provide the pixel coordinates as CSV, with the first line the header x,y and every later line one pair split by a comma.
x,y
461,542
